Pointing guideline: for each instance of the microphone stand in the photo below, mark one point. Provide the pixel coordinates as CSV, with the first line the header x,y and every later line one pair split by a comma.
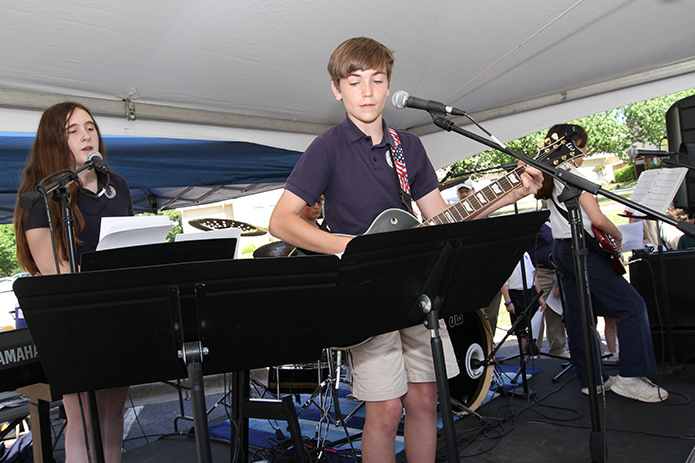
x,y
60,189
574,186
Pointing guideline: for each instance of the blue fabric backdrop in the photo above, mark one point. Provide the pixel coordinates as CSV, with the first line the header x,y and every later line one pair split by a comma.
x,y
166,173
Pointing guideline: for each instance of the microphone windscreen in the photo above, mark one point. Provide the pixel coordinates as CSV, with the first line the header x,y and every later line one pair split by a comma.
x,y
399,98
94,154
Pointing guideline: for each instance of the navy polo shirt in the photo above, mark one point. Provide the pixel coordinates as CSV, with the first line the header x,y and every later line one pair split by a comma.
x,y
116,202
356,177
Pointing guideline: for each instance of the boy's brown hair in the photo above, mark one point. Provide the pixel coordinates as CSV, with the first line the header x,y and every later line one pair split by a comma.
x,y
359,54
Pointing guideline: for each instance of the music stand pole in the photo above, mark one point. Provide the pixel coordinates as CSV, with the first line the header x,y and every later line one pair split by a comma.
x,y
428,303
667,307
432,323
95,442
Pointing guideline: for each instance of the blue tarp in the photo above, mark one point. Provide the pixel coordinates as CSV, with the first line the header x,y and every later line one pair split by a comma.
x,y
166,173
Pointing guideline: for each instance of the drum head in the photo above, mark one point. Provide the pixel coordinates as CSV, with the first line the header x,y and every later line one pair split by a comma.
x,y
274,249
470,336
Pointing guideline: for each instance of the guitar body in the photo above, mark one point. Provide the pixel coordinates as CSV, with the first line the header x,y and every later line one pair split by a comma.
x,y
610,252
393,220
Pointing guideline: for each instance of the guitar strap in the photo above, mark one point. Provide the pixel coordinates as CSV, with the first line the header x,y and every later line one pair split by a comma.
x,y
401,171
592,240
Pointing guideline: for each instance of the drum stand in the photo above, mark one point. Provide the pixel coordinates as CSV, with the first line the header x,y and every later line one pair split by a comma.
x,y
327,395
522,318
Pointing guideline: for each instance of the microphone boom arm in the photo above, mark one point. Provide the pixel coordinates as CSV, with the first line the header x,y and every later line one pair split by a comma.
x,y
566,177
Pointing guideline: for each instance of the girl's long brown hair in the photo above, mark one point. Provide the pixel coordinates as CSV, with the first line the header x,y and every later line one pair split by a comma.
x,y
49,153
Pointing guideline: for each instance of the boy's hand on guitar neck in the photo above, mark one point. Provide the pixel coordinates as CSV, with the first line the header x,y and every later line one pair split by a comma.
x,y
532,180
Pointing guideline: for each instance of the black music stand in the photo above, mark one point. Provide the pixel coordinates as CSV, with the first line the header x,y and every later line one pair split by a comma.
x,y
183,310
104,329
387,279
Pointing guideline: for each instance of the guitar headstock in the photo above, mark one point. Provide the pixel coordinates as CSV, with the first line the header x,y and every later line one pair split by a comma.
x,y
557,151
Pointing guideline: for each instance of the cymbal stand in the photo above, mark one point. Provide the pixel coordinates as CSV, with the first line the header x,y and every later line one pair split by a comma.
x,y
327,395
522,318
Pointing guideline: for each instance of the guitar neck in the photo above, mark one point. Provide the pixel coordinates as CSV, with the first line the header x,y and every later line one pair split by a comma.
x,y
478,201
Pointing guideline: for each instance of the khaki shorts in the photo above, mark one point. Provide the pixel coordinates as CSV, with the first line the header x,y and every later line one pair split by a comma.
x,y
382,367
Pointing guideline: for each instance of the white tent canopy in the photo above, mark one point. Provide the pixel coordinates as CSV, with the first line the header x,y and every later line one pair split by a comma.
x,y
256,70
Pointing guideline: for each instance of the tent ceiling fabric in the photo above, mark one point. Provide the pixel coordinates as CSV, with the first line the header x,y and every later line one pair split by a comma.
x,y
257,69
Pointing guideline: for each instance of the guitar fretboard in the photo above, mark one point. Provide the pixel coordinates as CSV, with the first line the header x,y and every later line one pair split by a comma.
x,y
478,201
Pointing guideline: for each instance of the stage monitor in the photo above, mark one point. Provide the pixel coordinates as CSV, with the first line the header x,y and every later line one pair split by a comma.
x,y
645,276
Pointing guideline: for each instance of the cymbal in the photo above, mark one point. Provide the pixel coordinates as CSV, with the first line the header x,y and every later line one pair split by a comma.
x,y
274,249
215,224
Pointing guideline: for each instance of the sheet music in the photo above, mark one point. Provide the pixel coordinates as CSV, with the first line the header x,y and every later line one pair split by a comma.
x,y
656,189
633,235
212,234
553,302
536,323
121,232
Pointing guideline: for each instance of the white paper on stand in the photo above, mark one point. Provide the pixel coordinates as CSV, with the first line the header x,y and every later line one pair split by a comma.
x,y
230,232
122,232
656,189
633,235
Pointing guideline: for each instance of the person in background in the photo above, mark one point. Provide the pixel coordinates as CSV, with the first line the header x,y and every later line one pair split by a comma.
x,y
685,241
540,252
518,292
465,189
67,133
611,294
312,213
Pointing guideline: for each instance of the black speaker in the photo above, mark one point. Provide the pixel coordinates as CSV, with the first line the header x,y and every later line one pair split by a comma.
x,y
645,276
680,130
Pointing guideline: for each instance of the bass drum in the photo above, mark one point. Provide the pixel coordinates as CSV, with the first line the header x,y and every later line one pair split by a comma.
x,y
470,336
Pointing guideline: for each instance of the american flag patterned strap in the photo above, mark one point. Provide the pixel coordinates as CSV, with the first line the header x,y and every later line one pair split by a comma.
x,y
399,162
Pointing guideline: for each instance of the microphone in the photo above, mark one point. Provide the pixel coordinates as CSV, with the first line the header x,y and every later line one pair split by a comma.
x,y
634,153
97,161
401,99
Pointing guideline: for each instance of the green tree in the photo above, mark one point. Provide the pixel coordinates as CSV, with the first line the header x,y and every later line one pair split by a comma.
x,y
612,131
175,216
8,251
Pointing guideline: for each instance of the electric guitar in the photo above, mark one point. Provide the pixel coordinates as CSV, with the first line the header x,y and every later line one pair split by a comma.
x,y
555,152
609,250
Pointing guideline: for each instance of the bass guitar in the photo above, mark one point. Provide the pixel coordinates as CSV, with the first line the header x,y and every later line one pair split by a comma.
x,y
609,250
